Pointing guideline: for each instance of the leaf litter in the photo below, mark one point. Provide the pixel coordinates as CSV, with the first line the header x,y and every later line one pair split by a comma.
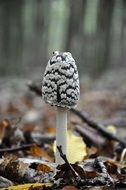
x,y
27,135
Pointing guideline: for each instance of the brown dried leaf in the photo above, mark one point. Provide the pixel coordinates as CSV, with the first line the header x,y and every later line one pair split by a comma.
x,y
13,168
45,168
3,126
112,166
12,109
37,151
70,187
28,127
89,169
51,130
92,152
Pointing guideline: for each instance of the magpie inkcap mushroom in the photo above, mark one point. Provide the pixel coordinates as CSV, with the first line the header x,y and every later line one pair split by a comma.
x,y
61,88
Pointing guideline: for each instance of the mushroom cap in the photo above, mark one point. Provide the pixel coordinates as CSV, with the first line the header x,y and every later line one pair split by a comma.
x,y
61,81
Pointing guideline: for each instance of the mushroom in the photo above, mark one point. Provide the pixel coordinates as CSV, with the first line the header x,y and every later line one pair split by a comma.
x,y
61,88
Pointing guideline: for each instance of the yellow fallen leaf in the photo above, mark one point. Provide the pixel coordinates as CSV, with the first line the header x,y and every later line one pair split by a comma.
x,y
111,129
28,186
76,147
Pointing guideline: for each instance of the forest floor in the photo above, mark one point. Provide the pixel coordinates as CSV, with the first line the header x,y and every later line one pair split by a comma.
x,y
25,119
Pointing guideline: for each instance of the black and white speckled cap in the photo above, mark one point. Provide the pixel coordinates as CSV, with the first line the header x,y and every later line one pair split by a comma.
x,y
61,81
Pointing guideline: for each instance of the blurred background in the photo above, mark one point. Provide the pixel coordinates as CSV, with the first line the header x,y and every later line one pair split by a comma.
x,y
94,31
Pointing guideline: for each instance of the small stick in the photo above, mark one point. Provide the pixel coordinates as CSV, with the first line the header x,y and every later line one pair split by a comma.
x,y
100,128
123,155
63,156
34,87
23,147
89,136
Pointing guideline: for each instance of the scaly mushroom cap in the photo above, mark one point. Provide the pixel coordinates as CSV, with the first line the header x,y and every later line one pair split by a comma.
x,y
61,82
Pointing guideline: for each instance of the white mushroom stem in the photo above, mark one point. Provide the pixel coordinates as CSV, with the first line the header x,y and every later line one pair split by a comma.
x,y
61,133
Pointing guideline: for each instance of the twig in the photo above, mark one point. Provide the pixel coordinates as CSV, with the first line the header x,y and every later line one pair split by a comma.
x,y
23,147
91,136
100,128
123,155
35,88
63,156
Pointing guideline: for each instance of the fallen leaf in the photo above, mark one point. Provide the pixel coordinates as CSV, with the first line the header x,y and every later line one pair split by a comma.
x,y
76,147
29,186
45,168
112,166
51,130
78,153
70,187
99,188
13,167
92,152
37,151
111,129
3,126
12,109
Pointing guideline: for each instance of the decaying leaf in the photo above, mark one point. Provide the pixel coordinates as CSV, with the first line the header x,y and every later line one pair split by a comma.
x,y
76,147
3,125
12,108
70,187
19,171
45,168
112,166
99,188
92,152
51,130
111,129
40,152
31,186
12,168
